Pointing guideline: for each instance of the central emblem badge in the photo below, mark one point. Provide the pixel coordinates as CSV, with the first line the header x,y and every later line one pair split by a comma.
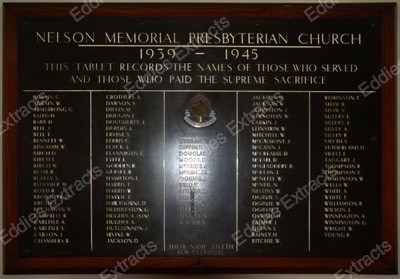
x,y
199,113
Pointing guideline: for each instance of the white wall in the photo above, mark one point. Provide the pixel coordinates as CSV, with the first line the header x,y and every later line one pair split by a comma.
x,y
223,276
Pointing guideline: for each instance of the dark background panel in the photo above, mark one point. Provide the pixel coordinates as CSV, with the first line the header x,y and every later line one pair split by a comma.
x,y
364,129
72,163
292,226
147,138
219,182
221,212
363,55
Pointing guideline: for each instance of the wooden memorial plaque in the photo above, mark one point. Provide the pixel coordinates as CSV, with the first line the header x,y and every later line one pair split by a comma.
x,y
199,138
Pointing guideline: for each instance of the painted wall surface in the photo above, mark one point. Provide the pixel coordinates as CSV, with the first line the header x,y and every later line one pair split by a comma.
x,y
217,276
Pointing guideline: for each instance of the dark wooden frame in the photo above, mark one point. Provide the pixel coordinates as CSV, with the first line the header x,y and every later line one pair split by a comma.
x,y
15,264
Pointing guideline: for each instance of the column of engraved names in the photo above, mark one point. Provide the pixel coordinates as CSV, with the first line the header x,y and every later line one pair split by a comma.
x,y
47,185
126,213
192,175
341,212
269,154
